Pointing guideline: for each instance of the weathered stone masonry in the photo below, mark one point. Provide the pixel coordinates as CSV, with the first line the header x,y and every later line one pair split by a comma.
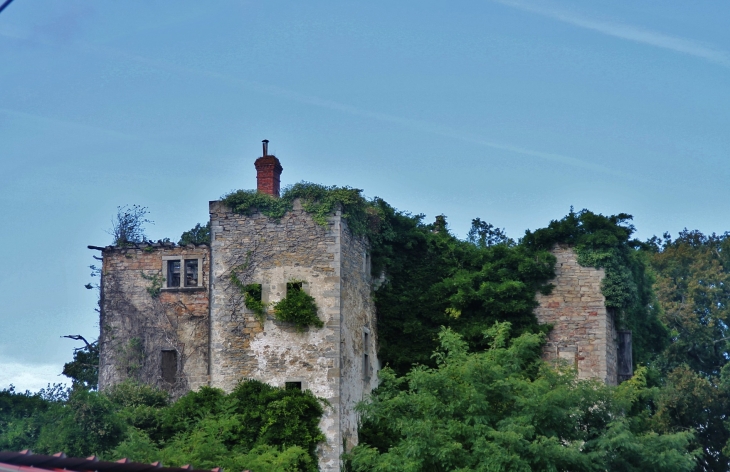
x,y
137,326
584,331
329,360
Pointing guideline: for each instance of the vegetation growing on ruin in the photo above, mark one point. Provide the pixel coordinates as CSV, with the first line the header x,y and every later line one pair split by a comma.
x,y
251,296
256,426
481,398
128,225
321,201
156,282
298,307
605,242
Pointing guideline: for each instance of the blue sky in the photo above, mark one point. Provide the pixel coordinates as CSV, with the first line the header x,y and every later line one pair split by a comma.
x,y
509,111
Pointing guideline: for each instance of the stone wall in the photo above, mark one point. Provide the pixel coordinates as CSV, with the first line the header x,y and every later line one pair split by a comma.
x,y
358,327
136,325
272,253
584,332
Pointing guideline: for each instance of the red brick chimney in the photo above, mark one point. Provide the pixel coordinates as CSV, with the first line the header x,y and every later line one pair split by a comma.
x,y
268,171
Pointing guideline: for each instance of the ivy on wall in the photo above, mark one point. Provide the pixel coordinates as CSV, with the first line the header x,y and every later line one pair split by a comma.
x,y
251,297
156,281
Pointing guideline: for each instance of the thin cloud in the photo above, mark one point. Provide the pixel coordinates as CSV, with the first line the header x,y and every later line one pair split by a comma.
x,y
319,102
65,123
280,92
630,33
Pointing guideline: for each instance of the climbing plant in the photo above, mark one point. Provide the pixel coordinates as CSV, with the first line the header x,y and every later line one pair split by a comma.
x,y
251,296
156,281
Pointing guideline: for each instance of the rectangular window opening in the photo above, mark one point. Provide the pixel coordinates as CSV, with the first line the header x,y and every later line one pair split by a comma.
x,y
173,273
254,291
293,386
366,355
191,272
625,356
294,287
169,366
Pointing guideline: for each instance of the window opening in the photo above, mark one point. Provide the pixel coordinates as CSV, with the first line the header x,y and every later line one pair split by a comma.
x,y
173,273
191,272
294,287
625,356
253,291
169,366
293,386
366,356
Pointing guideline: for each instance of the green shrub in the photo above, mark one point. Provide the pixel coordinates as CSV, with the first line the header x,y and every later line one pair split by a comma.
x,y
299,308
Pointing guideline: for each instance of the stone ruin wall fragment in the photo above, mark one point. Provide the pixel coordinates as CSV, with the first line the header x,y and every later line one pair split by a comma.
x,y
584,331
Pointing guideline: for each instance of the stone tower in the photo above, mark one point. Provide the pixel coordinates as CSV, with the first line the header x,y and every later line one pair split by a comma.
x,y
336,362
173,317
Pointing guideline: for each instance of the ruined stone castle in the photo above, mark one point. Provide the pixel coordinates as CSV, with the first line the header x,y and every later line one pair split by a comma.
x,y
171,316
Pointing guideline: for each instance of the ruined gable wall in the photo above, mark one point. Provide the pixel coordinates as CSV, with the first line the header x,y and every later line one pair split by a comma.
x,y
136,327
358,314
583,332
262,250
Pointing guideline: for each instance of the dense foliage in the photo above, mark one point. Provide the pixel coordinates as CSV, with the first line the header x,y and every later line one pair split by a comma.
x,y
83,370
693,289
604,242
256,426
693,286
298,307
503,409
197,235
432,279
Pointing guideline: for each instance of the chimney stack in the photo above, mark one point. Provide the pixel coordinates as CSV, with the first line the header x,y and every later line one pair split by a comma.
x,y
268,172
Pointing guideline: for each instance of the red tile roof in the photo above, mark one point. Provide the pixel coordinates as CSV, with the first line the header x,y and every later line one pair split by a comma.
x,y
26,461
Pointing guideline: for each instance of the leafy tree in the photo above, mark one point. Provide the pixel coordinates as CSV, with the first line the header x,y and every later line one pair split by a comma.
x,y
503,409
128,224
692,402
693,288
197,235
21,415
484,234
83,370
256,426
